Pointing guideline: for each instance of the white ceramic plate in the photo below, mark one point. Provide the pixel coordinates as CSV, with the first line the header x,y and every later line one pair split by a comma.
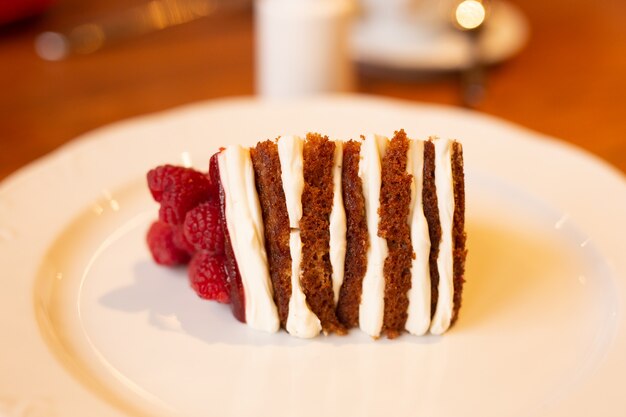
x,y
420,43
91,327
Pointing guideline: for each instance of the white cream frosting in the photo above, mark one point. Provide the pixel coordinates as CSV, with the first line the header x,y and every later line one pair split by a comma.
x,y
301,321
371,309
245,227
290,150
418,319
337,224
445,203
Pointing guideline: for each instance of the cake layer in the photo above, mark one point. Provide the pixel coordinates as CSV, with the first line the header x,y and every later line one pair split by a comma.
x,y
357,240
458,230
371,308
317,202
393,226
245,228
269,187
431,212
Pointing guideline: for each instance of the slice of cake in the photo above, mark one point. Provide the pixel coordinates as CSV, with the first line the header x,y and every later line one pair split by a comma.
x,y
315,235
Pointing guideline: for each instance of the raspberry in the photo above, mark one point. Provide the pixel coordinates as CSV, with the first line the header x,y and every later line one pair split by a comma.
x,y
207,277
181,241
156,179
160,240
178,190
203,228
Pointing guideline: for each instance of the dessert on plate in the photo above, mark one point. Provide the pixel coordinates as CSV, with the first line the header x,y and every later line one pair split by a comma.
x,y
316,235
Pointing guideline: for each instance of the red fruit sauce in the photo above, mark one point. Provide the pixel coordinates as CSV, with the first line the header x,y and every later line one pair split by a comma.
x,y
237,297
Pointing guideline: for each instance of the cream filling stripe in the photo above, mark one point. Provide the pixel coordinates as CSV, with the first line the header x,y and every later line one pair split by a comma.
x,y
301,321
445,199
245,227
371,309
337,224
418,319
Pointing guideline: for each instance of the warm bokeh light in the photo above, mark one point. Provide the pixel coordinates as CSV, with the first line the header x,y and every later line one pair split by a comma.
x,y
470,14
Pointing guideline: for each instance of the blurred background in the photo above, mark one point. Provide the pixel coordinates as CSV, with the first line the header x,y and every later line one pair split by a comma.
x,y
69,66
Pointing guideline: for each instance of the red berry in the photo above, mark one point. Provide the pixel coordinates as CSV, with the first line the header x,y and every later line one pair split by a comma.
x,y
160,240
203,228
156,178
178,190
181,241
208,278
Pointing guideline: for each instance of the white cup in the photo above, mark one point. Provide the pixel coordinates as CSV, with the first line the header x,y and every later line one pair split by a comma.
x,y
302,47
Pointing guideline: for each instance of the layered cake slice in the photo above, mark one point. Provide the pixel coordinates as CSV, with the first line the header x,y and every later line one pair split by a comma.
x,y
315,235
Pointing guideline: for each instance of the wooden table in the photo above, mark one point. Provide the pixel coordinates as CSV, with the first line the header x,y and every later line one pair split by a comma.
x,y
569,82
